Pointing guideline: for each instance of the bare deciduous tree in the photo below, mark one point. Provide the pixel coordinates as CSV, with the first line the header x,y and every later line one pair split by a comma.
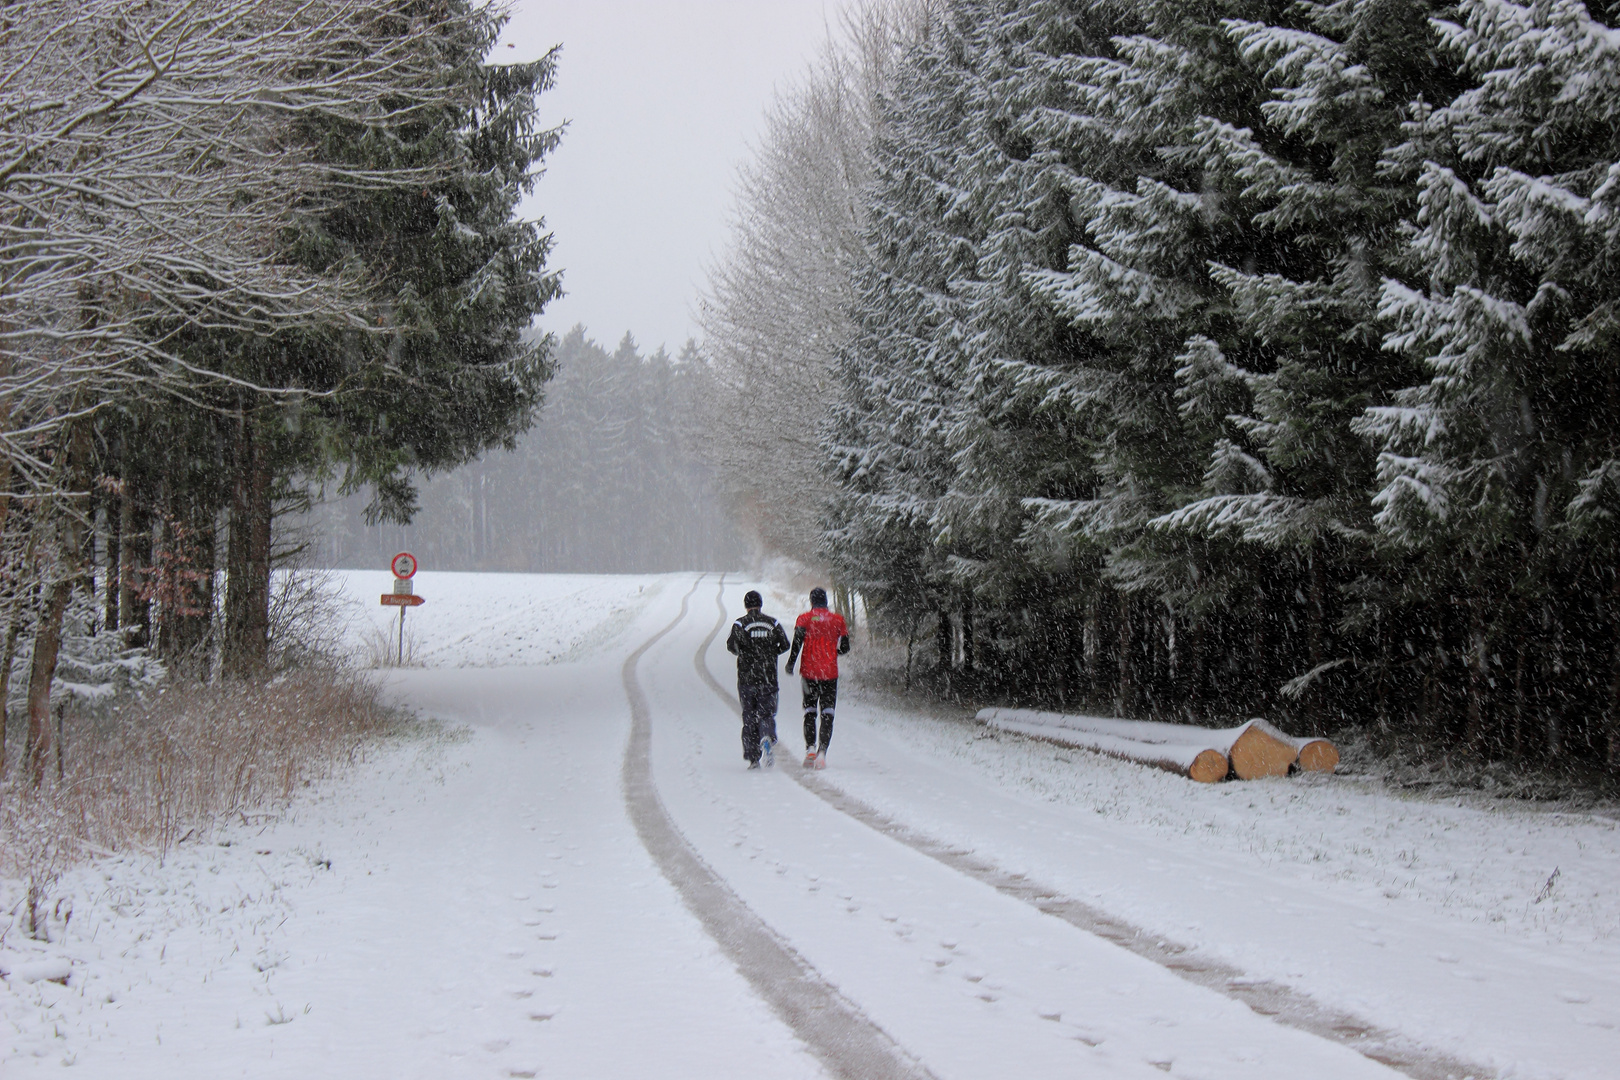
x,y
774,314
152,165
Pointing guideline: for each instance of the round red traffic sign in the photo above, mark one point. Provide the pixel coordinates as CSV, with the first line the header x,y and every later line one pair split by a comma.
x,y
403,565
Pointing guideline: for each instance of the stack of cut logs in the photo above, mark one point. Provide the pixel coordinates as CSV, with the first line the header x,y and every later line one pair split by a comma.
x,y
1208,755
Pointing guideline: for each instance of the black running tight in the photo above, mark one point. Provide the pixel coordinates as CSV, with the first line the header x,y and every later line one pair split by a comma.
x,y
819,695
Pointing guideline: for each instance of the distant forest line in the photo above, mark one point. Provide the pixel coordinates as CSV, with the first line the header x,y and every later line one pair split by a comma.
x,y
607,480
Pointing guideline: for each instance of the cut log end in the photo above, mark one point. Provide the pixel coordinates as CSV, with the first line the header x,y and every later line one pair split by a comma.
x,y
1256,753
1318,755
1209,767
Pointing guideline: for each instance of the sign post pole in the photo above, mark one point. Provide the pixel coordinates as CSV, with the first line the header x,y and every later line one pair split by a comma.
x,y
404,567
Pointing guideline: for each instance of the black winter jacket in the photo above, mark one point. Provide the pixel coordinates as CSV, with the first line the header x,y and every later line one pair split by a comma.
x,y
756,641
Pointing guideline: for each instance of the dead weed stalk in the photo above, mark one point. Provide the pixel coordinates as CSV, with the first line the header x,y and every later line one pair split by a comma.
x,y
157,770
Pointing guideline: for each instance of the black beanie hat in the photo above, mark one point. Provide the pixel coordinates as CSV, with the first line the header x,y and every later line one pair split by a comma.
x,y
752,599
818,597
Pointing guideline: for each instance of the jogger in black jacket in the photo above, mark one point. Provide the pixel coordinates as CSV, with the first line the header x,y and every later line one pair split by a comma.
x,y
756,641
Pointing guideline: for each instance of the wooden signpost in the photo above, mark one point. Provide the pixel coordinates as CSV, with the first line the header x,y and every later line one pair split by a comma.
x,y
404,596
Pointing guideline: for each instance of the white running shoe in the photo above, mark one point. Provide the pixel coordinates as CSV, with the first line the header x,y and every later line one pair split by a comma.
x,y
821,760
810,759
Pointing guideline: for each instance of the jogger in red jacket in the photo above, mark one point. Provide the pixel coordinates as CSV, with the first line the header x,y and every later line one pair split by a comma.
x,y
822,636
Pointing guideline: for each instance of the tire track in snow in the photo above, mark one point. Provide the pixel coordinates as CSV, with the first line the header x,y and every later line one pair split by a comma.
x,y
846,1043
1278,1001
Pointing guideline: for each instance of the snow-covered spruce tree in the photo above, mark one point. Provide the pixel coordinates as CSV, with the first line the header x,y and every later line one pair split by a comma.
x,y
1026,429
1080,272
1111,339
1135,294
453,280
1497,476
901,373
1195,377
1288,365
1218,302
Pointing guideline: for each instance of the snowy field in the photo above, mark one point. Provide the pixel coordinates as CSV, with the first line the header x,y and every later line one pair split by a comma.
x,y
477,901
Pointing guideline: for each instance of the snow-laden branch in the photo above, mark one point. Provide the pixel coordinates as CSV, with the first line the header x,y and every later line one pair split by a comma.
x,y
155,158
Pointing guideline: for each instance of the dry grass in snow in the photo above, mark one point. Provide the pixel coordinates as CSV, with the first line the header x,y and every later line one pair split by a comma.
x,y
150,772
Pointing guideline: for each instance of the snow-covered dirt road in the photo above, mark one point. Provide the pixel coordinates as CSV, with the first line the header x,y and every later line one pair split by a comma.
x,y
566,886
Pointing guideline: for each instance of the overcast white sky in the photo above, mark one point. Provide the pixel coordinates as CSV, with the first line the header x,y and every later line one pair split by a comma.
x,y
664,98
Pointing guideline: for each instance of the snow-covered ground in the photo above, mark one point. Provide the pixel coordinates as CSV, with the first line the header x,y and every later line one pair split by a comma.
x,y
477,901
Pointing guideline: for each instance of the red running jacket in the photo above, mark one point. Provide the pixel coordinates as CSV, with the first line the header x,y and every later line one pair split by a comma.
x,y
823,635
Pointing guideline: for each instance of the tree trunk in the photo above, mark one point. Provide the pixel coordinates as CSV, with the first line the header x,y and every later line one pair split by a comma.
x,y
1093,645
188,615
1125,696
1382,692
968,661
115,551
95,517
1316,633
13,631
48,635
911,644
18,605
1259,671
1478,673
1555,707
1195,688
247,564
1517,735
47,647
1072,649
943,640
129,555
5,464
1612,709
135,564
